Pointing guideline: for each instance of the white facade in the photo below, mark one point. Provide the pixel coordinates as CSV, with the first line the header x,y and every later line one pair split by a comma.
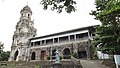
x,y
26,46
24,31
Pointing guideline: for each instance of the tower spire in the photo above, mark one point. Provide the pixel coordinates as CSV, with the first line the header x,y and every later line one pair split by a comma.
x,y
24,31
27,3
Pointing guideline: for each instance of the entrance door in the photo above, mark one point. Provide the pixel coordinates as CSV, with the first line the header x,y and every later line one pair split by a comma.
x,y
43,55
33,56
15,55
66,53
82,54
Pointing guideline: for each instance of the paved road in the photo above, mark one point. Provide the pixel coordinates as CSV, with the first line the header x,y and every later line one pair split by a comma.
x,y
92,64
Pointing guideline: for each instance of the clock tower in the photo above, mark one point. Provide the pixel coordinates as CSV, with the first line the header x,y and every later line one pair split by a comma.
x,y
24,31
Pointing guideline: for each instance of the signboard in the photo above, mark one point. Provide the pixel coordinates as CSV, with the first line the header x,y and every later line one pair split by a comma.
x,y
117,59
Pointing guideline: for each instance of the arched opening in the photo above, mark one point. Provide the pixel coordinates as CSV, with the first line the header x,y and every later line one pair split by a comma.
x,y
15,55
28,15
82,52
33,56
66,53
43,55
53,53
22,14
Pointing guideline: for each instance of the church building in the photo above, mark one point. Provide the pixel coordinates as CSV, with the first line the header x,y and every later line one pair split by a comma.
x,y
27,47
24,31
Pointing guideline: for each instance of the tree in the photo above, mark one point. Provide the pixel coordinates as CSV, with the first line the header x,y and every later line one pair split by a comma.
x,y
1,49
3,55
59,5
107,36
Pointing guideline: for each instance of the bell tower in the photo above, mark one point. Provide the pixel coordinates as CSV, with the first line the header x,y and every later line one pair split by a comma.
x,y
24,31
26,13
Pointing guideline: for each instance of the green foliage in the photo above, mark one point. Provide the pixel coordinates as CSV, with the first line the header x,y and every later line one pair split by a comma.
x,y
59,5
107,37
11,65
60,57
3,55
37,66
75,55
48,57
1,47
1,50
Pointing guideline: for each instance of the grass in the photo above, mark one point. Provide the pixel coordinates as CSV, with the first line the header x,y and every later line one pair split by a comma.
x,y
37,66
10,65
20,65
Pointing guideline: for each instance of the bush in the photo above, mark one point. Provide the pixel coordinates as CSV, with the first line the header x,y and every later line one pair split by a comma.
x,y
60,57
75,55
48,58
4,56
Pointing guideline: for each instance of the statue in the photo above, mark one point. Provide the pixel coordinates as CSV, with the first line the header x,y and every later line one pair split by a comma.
x,y
57,63
57,57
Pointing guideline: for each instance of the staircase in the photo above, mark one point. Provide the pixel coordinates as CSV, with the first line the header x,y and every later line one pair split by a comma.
x,y
37,64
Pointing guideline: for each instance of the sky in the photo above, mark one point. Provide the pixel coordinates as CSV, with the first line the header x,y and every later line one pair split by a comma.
x,y
45,21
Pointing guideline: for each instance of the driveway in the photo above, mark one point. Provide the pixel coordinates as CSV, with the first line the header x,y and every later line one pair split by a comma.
x,y
92,64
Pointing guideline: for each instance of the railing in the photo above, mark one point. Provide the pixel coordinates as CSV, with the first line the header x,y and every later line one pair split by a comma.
x,y
64,42
74,60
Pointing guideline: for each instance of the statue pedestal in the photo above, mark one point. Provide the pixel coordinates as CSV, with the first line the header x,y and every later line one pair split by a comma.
x,y
57,65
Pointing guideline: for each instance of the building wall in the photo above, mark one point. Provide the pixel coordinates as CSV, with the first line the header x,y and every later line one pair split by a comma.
x,y
26,46
73,46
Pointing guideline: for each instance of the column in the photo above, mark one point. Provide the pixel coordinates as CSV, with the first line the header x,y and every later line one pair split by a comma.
x,y
53,40
75,37
37,55
58,40
33,44
88,34
89,50
40,42
69,38
44,41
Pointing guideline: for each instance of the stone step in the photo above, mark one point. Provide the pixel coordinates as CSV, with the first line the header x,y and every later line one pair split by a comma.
x,y
37,64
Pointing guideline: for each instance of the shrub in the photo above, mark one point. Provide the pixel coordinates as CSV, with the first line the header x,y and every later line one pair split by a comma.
x,y
48,57
60,57
75,55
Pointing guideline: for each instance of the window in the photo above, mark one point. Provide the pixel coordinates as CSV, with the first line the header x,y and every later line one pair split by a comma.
x,y
78,36
43,41
33,35
37,43
22,14
65,38
72,37
31,43
55,40
49,41
28,15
